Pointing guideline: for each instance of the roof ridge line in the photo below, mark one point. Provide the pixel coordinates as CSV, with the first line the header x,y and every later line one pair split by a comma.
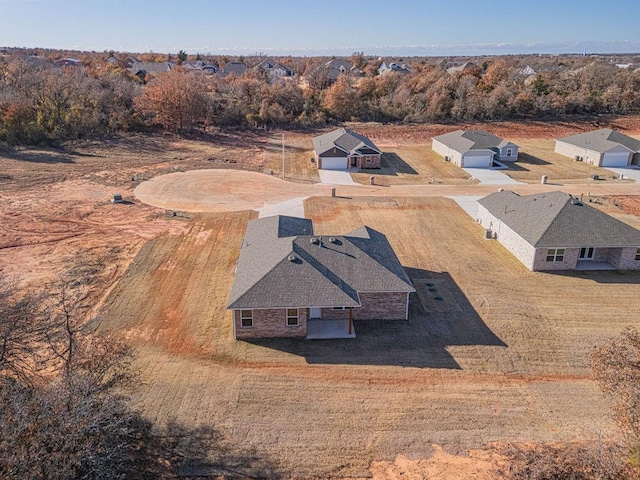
x,y
555,217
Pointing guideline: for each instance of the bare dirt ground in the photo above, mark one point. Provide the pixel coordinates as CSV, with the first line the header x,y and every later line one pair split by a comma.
x,y
488,362
491,362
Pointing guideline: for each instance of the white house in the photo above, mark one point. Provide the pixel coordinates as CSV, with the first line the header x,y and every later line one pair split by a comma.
x,y
474,148
555,231
602,148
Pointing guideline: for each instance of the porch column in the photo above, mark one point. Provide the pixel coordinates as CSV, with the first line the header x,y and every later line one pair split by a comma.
x,y
350,320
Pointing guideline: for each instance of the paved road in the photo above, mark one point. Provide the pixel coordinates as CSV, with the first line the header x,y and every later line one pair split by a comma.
x,y
232,190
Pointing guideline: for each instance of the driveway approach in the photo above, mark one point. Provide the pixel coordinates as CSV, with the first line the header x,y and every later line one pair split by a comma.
x,y
233,190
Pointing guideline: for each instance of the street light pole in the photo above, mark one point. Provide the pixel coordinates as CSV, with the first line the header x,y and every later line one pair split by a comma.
x,y
283,155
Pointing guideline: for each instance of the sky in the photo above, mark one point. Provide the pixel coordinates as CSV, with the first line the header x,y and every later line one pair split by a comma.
x,y
324,27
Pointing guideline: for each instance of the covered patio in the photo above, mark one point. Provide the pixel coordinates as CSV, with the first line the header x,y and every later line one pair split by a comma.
x,y
584,265
318,329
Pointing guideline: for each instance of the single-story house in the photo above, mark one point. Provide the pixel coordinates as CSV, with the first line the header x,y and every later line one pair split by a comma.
x,y
555,231
289,280
274,69
343,149
474,148
602,148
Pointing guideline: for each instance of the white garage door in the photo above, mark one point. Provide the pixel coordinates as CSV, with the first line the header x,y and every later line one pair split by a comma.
x,y
333,163
615,159
477,161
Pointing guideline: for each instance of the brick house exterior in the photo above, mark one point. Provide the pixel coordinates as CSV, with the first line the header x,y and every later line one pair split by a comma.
x,y
287,277
554,231
343,149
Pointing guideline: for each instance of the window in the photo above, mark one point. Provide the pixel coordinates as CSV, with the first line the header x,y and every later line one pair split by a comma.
x,y
586,253
555,255
509,152
638,254
246,318
292,317
368,160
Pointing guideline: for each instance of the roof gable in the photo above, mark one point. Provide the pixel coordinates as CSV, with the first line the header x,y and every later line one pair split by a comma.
x,y
557,219
464,140
308,271
344,139
602,141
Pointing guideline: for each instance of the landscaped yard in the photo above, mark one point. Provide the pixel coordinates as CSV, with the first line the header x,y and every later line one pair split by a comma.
x,y
491,351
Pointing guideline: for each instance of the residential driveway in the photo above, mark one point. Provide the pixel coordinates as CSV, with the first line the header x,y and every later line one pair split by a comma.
x,y
336,177
491,177
630,172
469,203
292,208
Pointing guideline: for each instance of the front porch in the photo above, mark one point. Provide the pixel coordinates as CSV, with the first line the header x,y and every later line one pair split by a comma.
x,y
318,329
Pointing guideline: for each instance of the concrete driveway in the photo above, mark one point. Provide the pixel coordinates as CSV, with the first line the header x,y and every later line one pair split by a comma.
x,y
629,172
469,203
491,177
336,177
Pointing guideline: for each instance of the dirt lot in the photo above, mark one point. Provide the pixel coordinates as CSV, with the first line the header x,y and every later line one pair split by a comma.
x,y
487,362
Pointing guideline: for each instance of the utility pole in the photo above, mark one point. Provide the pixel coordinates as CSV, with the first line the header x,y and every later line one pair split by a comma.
x,y
283,155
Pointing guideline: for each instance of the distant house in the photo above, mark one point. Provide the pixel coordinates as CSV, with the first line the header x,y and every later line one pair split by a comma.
x,y
602,148
292,283
67,62
336,67
466,66
274,69
343,149
384,69
201,66
555,231
234,68
145,70
474,148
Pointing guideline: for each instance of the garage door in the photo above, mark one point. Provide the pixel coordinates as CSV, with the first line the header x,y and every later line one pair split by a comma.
x,y
333,163
477,161
615,159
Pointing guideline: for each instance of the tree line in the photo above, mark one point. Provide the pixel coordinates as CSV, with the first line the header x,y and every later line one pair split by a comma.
x,y
39,103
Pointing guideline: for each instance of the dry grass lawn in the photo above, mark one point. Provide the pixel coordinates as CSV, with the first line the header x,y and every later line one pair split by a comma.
x,y
537,158
409,163
491,351
298,154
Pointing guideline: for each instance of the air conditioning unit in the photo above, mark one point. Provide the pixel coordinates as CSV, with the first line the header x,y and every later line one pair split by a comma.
x,y
488,234
447,159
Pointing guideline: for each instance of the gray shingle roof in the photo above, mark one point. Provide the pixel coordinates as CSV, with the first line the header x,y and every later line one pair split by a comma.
x,y
462,141
344,139
602,140
557,219
280,266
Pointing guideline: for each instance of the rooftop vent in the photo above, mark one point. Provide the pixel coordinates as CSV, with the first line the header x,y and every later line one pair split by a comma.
x,y
314,240
333,240
292,258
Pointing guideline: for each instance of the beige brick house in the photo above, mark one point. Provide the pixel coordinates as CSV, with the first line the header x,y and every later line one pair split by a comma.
x,y
555,231
291,283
